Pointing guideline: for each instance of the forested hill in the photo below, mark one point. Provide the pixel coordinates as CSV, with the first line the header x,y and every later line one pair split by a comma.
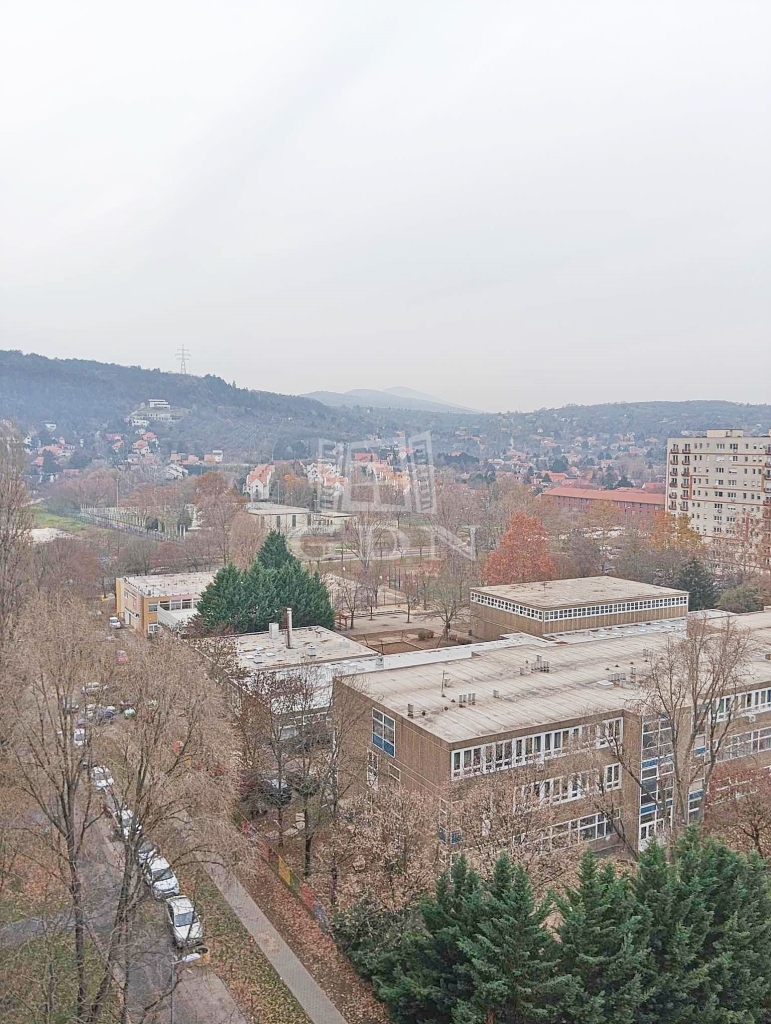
x,y
82,396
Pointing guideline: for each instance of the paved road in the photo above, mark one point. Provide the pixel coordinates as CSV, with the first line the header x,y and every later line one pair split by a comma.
x,y
199,997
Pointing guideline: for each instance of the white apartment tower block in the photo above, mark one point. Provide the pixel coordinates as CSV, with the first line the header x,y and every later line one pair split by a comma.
x,y
721,482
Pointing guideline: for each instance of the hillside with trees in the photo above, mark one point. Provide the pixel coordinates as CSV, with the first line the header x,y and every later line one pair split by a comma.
x,y
82,396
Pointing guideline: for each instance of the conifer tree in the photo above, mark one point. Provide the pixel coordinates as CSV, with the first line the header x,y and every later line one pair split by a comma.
x,y
275,552
221,606
677,921
736,946
603,949
696,578
259,597
513,960
305,594
429,978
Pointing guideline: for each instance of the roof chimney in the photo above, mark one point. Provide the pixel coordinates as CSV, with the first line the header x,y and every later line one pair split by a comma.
x,y
289,627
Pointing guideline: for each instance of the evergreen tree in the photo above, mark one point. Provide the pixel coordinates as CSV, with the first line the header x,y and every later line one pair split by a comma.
x,y
513,961
677,922
696,578
429,977
736,946
603,949
259,597
221,606
274,552
304,593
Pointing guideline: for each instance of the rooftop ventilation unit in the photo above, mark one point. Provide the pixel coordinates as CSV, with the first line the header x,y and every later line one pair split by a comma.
x,y
410,711
273,630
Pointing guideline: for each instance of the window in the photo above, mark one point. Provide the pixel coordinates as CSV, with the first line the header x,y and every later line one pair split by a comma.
x,y
612,777
394,774
153,606
537,748
383,732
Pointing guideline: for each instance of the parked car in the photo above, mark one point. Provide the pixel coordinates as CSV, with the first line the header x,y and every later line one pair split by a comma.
x,y
91,689
186,926
115,622
88,714
105,713
147,851
124,822
79,737
102,778
69,705
161,879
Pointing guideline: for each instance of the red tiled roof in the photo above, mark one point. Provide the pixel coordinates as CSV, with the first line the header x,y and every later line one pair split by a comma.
x,y
620,494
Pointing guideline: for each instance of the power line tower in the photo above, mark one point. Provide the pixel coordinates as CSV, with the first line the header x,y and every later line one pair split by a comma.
x,y
183,355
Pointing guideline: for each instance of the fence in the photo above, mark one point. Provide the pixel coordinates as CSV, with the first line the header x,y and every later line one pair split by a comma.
x,y
289,877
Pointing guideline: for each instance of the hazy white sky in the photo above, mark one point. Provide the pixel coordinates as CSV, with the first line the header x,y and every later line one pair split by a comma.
x,y
509,205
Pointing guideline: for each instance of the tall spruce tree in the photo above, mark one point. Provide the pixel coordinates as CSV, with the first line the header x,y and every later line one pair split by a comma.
x,y
696,578
429,978
275,552
603,952
736,945
512,958
221,606
677,919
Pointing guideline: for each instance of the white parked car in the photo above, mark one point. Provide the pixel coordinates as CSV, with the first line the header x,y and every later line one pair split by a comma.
x,y
146,851
90,689
115,622
185,924
124,822
79,737
102,778
161,879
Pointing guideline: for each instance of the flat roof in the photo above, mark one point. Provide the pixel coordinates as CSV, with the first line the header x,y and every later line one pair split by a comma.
x,y
567,593
273,509
576,687
171,584
310,645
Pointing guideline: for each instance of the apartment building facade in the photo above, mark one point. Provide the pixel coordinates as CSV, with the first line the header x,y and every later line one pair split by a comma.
x,y
564,719
721,483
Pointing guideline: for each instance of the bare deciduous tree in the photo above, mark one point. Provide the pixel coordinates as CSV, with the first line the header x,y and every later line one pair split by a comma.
x,y
171,765
15,522
690,696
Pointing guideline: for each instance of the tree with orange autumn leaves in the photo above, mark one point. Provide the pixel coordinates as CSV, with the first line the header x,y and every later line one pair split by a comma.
x,y
523,554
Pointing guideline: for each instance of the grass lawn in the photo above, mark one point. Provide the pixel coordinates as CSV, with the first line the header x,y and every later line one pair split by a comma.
x,y
236,958
39,973
41,518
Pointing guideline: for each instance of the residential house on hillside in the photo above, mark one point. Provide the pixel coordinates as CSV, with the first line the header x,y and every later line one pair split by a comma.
x,y
258,482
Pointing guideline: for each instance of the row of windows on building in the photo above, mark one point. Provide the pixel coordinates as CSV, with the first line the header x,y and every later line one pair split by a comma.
x,y
619,608
176,604
485,758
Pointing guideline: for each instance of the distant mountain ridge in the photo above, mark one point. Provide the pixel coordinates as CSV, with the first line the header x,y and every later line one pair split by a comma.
x,y
388,398
82,396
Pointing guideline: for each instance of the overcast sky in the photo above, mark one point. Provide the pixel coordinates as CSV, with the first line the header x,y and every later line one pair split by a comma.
x,y
509,205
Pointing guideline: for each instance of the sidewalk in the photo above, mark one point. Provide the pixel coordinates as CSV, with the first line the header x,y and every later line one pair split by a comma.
x,y
294,975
